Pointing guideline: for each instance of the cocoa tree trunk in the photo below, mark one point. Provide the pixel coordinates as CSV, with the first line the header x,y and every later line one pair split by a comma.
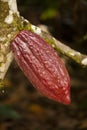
x,y
8,28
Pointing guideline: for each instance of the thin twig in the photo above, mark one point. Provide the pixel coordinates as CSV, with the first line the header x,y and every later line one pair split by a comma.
x,y
62,48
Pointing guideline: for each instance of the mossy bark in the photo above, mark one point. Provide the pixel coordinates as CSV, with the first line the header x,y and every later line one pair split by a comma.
x,y
7,32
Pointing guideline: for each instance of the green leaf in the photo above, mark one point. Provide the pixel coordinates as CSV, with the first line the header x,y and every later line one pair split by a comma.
x,y
8,112
48,14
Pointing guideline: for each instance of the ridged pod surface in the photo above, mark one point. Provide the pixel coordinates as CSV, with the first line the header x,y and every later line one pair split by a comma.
x,y
42,66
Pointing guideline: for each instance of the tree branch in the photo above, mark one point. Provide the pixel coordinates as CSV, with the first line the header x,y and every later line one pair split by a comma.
x,y
9,27
61,47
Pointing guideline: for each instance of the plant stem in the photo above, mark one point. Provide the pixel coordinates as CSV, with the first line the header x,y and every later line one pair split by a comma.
x,y
62,48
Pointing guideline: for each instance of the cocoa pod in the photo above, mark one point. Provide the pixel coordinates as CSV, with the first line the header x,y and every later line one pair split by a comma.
x,y
42,66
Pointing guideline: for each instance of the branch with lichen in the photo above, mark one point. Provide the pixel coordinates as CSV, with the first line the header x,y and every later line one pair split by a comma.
x,y
11,23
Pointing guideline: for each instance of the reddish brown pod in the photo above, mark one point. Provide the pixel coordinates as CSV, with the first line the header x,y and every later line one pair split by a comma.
x,y
42,66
